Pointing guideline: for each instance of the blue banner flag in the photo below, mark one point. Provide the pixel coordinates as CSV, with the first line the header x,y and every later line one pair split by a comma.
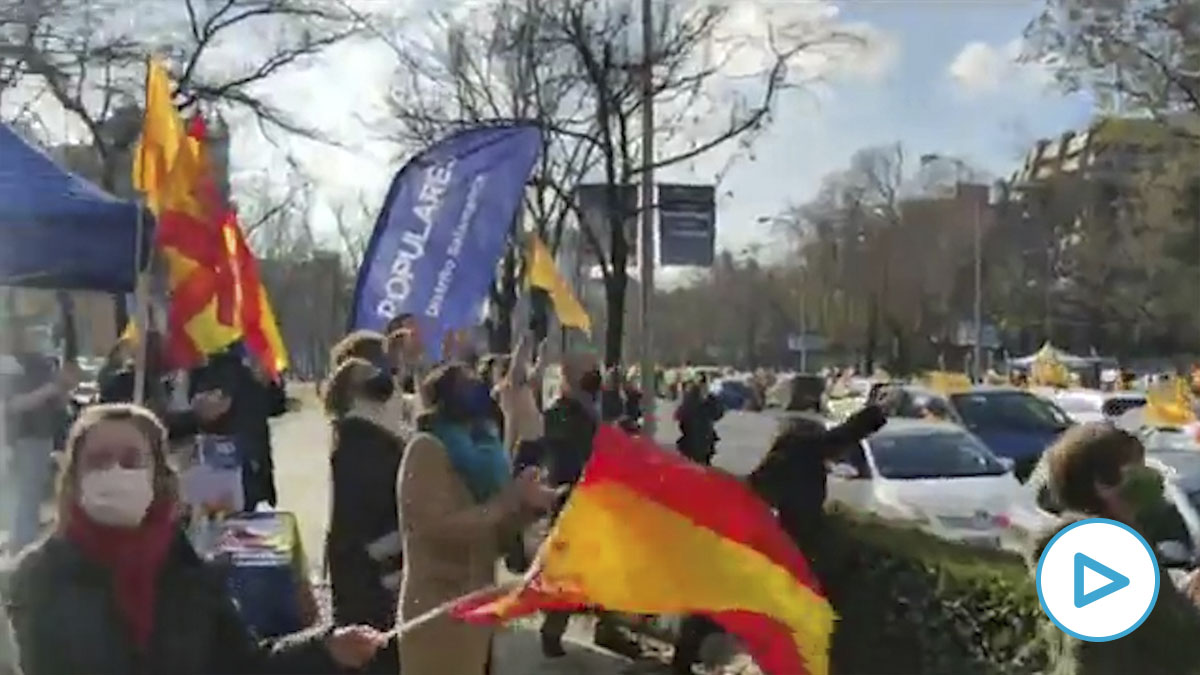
x,y
442,230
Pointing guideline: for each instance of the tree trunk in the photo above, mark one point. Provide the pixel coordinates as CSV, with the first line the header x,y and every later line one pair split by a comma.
x,y
614,329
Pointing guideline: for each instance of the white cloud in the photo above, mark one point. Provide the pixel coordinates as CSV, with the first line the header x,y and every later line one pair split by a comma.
x,y
981,69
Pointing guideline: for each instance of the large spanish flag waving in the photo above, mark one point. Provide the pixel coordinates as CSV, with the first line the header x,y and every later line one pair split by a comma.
x,y
649,532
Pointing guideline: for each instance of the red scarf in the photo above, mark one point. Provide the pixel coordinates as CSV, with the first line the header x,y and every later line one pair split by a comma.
x,y
134,556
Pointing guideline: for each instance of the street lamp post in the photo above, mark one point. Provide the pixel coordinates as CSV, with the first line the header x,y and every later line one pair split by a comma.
x,y
977,351
646,239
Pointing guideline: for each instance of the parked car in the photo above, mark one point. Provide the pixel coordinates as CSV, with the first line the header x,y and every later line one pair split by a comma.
x,y
941,478
1089,405
1013,423
735,394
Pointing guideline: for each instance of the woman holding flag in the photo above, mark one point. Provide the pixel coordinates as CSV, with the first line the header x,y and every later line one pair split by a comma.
x,y
457,504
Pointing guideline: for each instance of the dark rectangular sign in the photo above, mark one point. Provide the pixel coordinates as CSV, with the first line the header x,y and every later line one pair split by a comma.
x,y
687,224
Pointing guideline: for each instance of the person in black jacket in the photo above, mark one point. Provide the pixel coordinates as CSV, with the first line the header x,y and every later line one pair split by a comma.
x,y
119,374
118,590
698,414
363,543
256,398
571,423
792,479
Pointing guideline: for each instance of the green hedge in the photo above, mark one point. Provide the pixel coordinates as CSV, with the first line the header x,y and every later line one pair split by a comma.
x,y
911,603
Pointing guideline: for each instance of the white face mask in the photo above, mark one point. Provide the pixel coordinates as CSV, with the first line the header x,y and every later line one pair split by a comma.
x,y
117,497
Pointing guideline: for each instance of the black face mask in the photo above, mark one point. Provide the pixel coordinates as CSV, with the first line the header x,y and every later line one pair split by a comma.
x,y
380,387
591,382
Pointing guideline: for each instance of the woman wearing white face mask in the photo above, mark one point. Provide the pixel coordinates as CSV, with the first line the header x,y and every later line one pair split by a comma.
x,y
117,588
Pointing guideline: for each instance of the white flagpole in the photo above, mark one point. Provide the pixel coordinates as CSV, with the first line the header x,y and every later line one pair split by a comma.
x,y
141,310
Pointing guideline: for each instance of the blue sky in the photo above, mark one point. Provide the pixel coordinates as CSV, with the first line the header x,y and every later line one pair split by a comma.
x,y
941,77
951,86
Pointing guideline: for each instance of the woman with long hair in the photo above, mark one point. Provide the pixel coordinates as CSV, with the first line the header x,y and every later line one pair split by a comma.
x,y
117,588
363,543
457,504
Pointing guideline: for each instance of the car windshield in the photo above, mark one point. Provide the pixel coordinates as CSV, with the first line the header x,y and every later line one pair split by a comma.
x,y
933,454
1009,410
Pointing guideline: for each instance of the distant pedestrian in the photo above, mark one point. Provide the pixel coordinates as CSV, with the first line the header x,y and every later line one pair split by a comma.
x,y
35,408
697,415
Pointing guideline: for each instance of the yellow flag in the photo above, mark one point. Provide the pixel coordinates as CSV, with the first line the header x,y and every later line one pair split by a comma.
x,y
542,273
130,334
162,137
1169,404
945,382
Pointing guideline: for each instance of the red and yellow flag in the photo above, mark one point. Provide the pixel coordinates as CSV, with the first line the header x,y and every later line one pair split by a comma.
x,y
648,532
261,330
170,167
216,296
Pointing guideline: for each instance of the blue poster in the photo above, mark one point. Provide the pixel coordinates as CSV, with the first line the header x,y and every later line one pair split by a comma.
x,y
442,231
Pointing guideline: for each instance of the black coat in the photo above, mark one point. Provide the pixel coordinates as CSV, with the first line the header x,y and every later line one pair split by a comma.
x,y
248,420
65,621
567,445
792,476
117,384
363,544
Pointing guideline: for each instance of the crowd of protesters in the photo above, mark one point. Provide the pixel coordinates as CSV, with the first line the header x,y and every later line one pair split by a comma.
x,y
439,472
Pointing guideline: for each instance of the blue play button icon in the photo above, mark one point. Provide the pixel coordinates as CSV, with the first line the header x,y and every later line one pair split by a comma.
x,y
1083,563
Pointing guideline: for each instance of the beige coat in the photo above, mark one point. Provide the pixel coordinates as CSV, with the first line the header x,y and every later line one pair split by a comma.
x,y
451,546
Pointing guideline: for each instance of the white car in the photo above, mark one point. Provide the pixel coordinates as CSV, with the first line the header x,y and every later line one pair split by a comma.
x,y
1087,405
941,478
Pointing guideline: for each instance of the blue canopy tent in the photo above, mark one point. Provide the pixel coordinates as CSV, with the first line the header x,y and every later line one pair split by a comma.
x,y
59,231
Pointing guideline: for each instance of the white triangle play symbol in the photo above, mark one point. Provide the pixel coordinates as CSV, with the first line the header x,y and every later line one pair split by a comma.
x,y
1093,580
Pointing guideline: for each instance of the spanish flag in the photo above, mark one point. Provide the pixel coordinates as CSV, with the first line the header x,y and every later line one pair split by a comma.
x,y
542,273
648,532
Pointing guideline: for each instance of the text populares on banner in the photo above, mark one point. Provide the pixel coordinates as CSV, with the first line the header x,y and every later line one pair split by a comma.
x,y
442,230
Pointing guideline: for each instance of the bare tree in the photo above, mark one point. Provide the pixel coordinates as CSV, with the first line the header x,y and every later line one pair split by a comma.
x,y
491,67
1135,55
89,56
